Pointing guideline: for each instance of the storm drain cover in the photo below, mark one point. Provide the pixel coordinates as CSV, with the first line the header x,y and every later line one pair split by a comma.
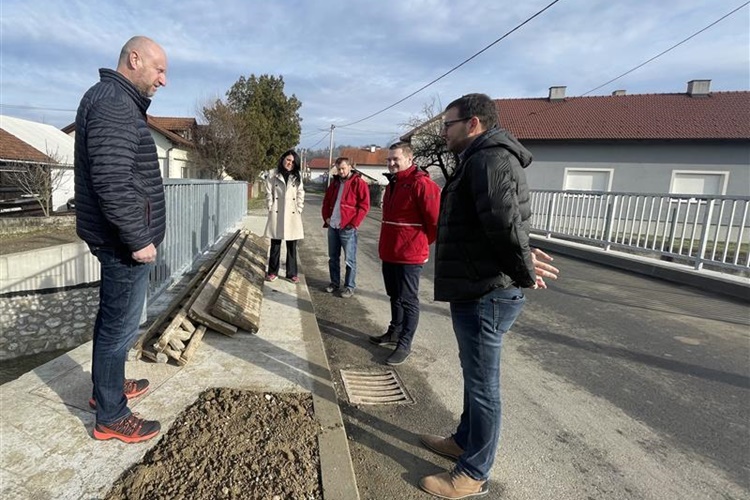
x,y
374,388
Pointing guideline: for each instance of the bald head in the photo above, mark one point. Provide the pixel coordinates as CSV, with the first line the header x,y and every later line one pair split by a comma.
x,y
144,63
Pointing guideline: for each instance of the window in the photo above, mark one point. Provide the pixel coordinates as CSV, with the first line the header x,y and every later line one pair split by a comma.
x,y
699,182
588,179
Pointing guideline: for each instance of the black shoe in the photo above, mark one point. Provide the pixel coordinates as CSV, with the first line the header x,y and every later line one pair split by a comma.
x,y
385,340
398,356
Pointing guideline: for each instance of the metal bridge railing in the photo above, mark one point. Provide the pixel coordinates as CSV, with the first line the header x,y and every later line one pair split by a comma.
x,y
199,212
701,229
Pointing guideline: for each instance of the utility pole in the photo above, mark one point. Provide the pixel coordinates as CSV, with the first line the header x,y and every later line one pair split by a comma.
x,y
330,154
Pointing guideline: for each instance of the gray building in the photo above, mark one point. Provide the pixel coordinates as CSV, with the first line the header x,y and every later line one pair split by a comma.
x,y
696,142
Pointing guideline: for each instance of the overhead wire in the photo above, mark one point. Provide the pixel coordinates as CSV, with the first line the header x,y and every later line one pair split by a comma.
x,y
561,103
519,26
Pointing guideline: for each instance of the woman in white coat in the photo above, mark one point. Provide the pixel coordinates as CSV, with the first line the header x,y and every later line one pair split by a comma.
x,y
285,198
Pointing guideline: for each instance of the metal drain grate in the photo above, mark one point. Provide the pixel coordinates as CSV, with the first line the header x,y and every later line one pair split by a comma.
x,y
374,388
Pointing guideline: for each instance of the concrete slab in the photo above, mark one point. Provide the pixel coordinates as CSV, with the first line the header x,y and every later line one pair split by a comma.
x,y
45,430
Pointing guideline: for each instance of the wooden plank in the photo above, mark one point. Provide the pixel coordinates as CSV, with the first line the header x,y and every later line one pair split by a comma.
x,y
152,330
240,299
195,341
187,325
200,310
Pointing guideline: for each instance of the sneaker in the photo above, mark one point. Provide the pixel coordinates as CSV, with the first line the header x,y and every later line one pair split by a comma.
x,y
131,429
385,340
331,288
132,389
453,484
294,279
271,277
398,356
347,293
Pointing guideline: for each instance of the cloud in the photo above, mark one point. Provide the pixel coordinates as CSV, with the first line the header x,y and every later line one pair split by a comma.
x,y
348,59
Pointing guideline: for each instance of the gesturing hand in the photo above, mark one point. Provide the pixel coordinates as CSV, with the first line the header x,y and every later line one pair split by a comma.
x,y
542,269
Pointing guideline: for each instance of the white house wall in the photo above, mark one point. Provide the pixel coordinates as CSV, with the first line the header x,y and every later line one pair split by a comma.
x,y
639,167
64,190
172,158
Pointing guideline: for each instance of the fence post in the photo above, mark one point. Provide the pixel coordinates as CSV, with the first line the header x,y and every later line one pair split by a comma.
x,y
611,209
704,235
550,215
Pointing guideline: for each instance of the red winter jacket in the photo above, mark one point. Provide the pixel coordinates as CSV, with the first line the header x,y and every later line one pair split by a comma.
x,y
355,200
410,213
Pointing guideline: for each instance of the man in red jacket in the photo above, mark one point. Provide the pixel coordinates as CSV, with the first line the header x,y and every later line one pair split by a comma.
x,y
410,213
345,205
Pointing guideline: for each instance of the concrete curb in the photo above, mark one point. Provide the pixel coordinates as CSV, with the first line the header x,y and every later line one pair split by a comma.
x,y
731,286
336,468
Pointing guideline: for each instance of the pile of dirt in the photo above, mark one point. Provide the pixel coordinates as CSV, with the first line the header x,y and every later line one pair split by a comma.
x,y
232,444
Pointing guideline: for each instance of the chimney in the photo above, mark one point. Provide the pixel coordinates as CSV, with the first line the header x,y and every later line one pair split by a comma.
x,y
372,149
557,93
699,88
618,92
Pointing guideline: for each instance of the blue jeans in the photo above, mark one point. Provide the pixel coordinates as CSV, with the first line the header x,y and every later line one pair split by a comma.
x,y
402,286
346,239
479,326
122,293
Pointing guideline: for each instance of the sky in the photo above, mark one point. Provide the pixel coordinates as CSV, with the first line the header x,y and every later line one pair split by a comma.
x,y
345,60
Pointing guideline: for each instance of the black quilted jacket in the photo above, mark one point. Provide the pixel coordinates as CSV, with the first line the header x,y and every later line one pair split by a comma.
x,y
483,228
118,188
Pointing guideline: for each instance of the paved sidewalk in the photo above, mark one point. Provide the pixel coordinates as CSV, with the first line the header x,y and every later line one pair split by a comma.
x,y
45,425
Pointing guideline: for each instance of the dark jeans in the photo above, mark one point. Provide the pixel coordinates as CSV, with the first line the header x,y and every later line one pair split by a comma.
x,y
291,258
346,239
402,286
122,293
479,326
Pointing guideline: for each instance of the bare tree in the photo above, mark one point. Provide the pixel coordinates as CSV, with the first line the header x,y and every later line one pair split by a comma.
x,y
426,141
40,179
224,144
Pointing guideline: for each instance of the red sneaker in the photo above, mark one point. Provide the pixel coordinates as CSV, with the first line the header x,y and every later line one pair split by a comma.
x,y
131,429
294,279
133,388
271,277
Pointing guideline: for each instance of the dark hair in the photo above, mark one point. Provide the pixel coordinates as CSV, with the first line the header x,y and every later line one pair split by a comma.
x,y
479,105
344,159
297,169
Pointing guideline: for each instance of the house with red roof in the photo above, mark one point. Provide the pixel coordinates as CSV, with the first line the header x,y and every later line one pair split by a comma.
x,y
25,144
696,142
317,169
371,161
174,140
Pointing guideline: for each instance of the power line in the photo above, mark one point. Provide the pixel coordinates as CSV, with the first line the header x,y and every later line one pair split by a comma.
x,y
321,140
39,108
669,49
561,103
452,69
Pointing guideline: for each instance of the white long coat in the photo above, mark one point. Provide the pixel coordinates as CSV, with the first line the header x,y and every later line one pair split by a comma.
x,y
285,203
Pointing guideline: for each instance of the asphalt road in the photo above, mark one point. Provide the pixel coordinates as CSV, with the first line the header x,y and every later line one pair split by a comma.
x,y
615,386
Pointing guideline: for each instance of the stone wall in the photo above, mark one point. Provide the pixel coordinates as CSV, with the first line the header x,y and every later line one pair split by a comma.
x,y
39,322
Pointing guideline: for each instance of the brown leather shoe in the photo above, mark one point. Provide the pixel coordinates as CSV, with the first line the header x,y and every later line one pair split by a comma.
x,y
442,446
453,484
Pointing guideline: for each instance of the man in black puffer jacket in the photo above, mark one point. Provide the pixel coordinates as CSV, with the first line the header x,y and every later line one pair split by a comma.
x,y
121,214
482,261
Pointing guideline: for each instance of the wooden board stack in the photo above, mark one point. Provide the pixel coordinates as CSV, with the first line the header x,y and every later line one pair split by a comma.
x,y
225,294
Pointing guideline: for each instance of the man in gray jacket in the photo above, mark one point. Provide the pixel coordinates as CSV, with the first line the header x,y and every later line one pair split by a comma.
x,y
121,214
482,262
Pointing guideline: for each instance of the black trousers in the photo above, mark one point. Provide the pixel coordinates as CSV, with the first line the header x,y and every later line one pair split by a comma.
x,y
402,286
291,258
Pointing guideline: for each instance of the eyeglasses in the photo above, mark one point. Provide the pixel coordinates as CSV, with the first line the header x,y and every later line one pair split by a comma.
x,y
448,123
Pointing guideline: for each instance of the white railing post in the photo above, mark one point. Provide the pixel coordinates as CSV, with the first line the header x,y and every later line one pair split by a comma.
x,y
612,209
704,235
